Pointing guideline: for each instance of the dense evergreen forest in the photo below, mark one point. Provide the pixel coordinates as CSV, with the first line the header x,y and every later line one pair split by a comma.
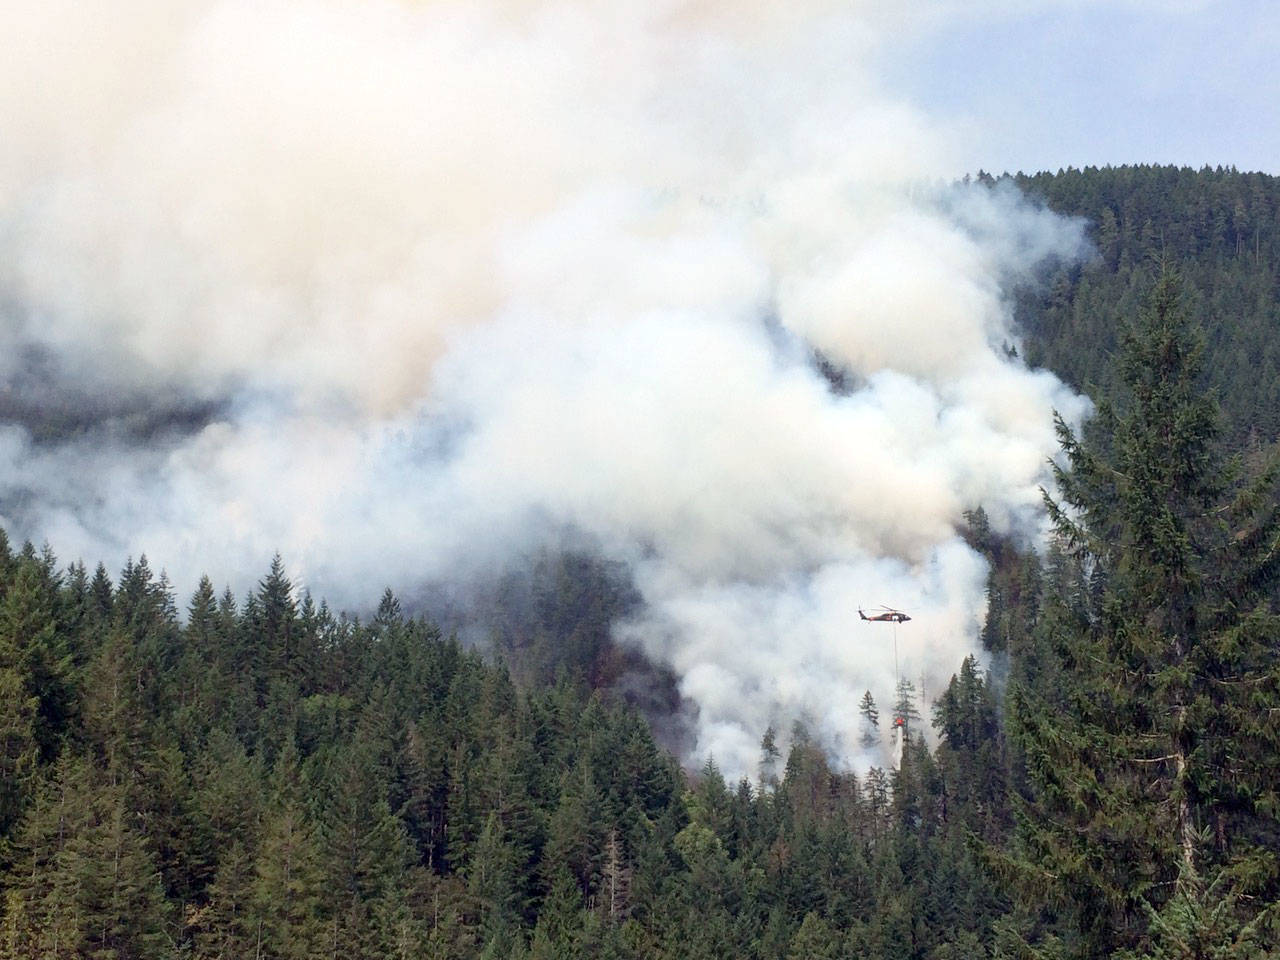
x,y
1220,229
258,777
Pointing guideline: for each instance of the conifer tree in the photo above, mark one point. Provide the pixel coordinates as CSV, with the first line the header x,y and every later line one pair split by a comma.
x,y
815,940
1153,763
560,917
274,626
32,645
769,757
286,891
971,753
493,880
228,926
877,798
870,735
19,751
905,712
574,833
422,792
103,593
86,884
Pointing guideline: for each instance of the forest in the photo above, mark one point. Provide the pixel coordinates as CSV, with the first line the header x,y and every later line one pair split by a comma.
x,y
261,776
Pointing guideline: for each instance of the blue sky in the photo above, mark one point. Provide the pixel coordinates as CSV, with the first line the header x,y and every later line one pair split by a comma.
x,y
1105,83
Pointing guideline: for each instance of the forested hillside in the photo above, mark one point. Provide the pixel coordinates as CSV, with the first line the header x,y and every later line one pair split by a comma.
x,y
1219,229
257,776
267,779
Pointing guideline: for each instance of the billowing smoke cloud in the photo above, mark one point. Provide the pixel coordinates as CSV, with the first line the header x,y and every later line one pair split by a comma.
x,y
405,290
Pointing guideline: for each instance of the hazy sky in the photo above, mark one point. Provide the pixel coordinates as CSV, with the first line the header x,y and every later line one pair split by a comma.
x,y
1035,87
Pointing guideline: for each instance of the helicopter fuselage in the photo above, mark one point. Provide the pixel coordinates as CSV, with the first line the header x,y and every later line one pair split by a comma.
x,y
891,616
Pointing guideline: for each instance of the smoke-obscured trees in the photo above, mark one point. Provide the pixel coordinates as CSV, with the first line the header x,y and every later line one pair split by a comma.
x,y
905,712
870,727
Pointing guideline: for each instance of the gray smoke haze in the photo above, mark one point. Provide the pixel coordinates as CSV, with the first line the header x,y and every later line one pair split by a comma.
x,y
405,290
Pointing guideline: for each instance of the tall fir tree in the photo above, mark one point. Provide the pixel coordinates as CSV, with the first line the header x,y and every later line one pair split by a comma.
x,y
86,884
869,735
32,645
1153,757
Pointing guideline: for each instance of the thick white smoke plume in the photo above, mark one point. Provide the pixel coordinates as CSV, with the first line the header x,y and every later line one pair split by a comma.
x,y
403,290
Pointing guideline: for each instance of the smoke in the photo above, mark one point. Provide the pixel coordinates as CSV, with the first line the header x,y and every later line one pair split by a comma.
x,y
406,290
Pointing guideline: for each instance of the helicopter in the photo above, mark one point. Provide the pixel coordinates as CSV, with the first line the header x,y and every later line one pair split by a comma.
x,y
890,615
